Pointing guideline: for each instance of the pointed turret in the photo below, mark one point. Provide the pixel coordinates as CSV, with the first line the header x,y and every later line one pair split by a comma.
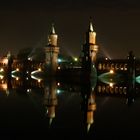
x,y
91,35
91,27
52,29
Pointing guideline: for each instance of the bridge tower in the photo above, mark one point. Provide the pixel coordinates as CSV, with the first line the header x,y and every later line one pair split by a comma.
x,y
89,52
52,51
90,48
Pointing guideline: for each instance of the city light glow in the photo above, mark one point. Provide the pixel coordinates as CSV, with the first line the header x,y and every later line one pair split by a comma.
x,y
1,76
17,69
75,59
58,91
58,67
111,71
1,70
58,84
59,60
39,69
17,78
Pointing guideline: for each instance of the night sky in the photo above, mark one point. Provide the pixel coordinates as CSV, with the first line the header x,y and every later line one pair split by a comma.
x,y
27,23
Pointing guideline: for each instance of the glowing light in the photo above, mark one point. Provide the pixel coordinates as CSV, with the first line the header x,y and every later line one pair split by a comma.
x,y
58,68
91,27
29,58
58,91
36,71
33,77
17,69
28,90
4,86
58,84
17,78
138,79
111,78
1,70
76,59
1,76
111,71
59,60
39,69
5,61
111,84
39,80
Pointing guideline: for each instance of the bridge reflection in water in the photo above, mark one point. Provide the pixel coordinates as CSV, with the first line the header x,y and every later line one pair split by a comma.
x,y
77,104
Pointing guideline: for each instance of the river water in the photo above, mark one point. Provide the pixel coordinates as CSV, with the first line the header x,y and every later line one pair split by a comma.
x,y
54,109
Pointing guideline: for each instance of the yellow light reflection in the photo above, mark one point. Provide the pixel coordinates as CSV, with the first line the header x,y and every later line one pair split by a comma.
x,y
39,80
4,86
1,76
5,61
111,84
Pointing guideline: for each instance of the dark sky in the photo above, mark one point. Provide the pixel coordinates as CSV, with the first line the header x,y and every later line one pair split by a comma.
x,y
27,23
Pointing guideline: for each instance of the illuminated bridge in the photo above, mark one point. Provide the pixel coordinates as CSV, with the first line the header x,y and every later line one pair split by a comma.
x,y
105,65
117,65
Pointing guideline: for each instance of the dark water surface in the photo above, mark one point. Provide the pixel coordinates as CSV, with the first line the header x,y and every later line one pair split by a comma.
x,y
24,113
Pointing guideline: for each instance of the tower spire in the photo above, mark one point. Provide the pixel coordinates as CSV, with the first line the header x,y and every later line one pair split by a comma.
x,y
90,25
52,29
